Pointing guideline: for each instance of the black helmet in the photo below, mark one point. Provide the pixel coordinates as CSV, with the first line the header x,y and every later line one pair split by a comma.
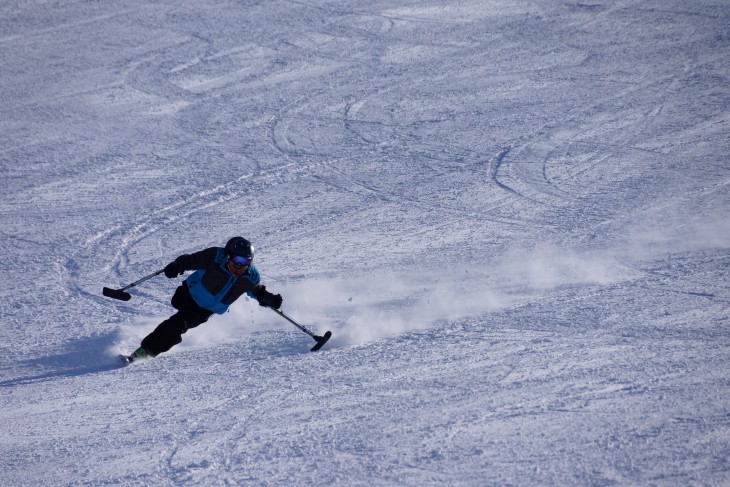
x,y
239,246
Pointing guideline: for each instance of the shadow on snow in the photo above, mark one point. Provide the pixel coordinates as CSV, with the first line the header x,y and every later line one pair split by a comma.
x,y
81,357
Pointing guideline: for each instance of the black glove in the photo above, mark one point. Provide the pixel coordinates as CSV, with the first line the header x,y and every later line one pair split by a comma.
x,y
265,298
174,269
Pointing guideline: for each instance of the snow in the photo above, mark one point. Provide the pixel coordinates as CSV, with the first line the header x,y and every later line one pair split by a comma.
x,y
514,217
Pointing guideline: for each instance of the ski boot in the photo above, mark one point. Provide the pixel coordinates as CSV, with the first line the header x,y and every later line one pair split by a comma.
x,y
137,354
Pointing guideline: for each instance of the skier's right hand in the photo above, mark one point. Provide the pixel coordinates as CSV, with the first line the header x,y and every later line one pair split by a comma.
x,y
174,269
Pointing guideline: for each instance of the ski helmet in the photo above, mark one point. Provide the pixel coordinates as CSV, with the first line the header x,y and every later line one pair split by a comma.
x,y
239,246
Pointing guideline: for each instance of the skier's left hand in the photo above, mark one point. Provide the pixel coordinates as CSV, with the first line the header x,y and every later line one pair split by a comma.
x,y
276,301
268,299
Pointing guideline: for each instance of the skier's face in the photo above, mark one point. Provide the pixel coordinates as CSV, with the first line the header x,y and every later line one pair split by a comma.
x,y
238,265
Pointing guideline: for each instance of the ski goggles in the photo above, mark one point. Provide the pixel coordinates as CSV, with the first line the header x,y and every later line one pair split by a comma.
x,y
239,261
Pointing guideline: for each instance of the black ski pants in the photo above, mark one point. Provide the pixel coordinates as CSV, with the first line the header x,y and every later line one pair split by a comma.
x,y
169,332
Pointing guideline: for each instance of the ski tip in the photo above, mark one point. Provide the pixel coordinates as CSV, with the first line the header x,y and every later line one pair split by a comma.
x,y
321,341
125,359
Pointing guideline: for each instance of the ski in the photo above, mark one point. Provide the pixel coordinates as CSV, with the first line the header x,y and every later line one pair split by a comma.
x,y
321,340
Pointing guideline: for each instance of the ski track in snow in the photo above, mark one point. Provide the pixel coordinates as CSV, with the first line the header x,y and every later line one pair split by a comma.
x,y
514,218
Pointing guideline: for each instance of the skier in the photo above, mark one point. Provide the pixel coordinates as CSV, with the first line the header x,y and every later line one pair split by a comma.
x,y
221,276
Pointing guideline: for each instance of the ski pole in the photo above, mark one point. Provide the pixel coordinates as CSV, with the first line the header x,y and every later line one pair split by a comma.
x,y
124,296
321,340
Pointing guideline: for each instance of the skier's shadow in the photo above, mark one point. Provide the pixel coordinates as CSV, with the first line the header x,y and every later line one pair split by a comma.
x,y
85,356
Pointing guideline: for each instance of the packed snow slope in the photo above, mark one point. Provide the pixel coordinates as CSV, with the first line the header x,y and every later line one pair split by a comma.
x,y
513,216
